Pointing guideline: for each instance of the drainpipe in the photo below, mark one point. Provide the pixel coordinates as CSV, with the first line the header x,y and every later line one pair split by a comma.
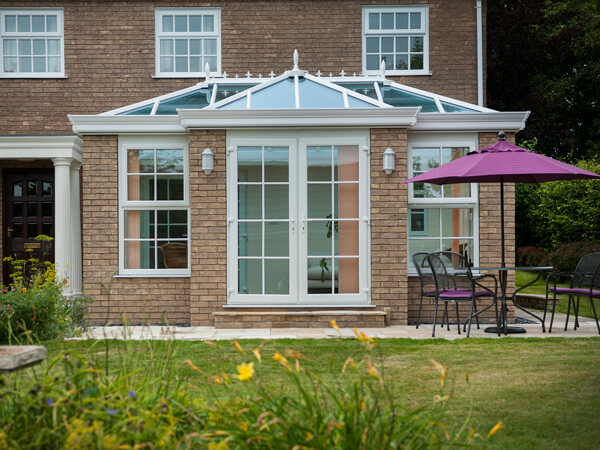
x,y
479,8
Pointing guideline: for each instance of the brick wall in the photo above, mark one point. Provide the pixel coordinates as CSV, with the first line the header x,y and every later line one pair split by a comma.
x,y
140,300
109,53
388,225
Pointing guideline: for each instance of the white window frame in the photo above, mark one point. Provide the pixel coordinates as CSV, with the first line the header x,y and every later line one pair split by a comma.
x,y
297,142
423,32
430,140
159,33
58,34
152,142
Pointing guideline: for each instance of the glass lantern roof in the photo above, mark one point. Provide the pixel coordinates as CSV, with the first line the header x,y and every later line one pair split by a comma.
x,y
297,89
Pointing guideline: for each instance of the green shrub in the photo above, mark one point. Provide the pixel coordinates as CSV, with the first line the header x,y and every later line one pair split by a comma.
x,y
566,256
530,256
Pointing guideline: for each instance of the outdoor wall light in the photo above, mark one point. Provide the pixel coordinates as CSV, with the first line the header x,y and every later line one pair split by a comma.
x,y
208,161
389,161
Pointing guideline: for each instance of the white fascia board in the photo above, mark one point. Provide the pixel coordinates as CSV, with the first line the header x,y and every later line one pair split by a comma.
x,y
270,118
41,147
92,124
472,121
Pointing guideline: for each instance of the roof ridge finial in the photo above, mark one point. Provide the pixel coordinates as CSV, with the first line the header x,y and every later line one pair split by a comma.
x,y
296,59
382,68
501,136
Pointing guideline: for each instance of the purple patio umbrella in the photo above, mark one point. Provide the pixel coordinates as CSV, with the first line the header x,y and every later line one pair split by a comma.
x,y
502,162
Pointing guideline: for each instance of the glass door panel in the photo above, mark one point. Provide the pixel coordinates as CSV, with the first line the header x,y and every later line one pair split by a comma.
x,y
263,220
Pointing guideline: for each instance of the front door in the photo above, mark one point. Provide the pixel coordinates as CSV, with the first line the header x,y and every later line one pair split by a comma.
x,y
298,219
28,212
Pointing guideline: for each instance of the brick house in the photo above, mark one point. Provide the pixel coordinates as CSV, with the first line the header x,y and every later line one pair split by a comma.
x,y
190,162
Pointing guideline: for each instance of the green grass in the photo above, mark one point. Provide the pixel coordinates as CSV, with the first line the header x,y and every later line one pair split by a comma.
x,y
539,287
546,391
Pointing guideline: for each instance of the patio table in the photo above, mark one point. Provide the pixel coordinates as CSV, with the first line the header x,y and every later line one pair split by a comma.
x,y
503,279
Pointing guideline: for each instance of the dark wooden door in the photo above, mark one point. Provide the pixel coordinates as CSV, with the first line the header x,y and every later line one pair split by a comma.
x,y
28,212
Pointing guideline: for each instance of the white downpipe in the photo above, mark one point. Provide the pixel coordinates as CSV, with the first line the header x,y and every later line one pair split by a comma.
x,y
479,52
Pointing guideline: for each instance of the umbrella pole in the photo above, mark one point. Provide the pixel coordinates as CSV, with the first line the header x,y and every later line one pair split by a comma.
x,y
502,217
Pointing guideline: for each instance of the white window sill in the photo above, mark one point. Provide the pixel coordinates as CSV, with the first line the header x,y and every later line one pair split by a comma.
x,y
284,305
187,75
32,77
153,275
400,73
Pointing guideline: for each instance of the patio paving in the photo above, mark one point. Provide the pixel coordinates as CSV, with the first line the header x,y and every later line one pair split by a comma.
x,y
587,328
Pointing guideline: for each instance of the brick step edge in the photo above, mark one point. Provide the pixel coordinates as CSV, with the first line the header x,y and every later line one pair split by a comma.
x,y
300,319
537,301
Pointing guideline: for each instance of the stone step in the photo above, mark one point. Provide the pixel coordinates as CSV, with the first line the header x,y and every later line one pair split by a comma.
x,y
537,301
300,319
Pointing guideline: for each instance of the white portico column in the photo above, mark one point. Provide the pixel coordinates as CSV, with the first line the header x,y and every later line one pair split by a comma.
x,y
76,277
62,219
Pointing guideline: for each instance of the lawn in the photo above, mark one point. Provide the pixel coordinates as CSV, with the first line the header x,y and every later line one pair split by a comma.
x,y
539,287
545,391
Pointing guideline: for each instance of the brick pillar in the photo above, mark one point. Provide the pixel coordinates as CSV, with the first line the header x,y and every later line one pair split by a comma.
x,y
389,282
208,209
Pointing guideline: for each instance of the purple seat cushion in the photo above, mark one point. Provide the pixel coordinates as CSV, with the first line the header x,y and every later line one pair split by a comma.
x,y
576,291
462,293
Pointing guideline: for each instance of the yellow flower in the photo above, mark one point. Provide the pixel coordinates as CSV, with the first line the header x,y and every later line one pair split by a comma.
x,y
372,370
245,371
494,430
362,337
192,366
334,325
220,446
443,370
217,379
281,359
349,361
294,354
257,353
23,290
238,347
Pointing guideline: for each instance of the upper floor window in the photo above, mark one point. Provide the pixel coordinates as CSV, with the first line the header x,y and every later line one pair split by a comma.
x,y
397,35
32,43
187,40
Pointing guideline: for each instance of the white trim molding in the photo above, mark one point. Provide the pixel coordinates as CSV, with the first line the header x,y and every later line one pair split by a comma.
x,y
41,147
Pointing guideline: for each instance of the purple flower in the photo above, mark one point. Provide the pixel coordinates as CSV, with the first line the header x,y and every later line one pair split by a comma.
x,y
49,401
132,394
111,411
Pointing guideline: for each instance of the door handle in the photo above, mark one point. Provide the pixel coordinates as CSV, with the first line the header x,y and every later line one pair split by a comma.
x,y
9,231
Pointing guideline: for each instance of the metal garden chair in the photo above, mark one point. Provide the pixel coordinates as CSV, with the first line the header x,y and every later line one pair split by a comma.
x,y
585,282
426,283
455,283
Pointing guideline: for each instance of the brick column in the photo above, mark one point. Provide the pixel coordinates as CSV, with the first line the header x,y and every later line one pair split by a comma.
x,y
208,209
389,282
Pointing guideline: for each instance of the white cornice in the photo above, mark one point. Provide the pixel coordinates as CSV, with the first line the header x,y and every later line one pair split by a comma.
x,y
472,121
41,147
92,124
363,117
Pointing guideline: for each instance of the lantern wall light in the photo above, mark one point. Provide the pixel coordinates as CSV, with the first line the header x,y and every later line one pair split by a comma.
x,y
208,161
389,161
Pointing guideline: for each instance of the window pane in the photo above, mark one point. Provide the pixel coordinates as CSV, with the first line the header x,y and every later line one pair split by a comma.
x,y
416,44
387,44
372,45
181,24
195,64
196,23
209,24
167,24
416,62
46,188
169,187
249,202
38,24
456,190
10,24
39,64
389,61
277,277
169,161
10,64
249,164
171,224
181,46
17,230
54,64
402,44
10,47
425,159
346,241
139,255
32,230
402,21
250,238
319,201
346,163
277,239
25,64
212,62
372,62
462,246
24,47
181,64
51,24
139,225
166,64
402,62
210,47
319,274
172,255
54,46
346,274
415,20
374,21
195,46
140,187
47,209
47,229
422,245
17,209
319,238
18,189
387,21
276,164
346,200
24,24
32,188
457,222
140,161
319,163
166,46
250,276
276,202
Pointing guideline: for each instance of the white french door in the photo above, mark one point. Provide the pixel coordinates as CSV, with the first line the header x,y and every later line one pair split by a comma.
x,y
298,218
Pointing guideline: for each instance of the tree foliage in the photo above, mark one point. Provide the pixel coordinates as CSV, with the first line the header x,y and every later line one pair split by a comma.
x,y
544,56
